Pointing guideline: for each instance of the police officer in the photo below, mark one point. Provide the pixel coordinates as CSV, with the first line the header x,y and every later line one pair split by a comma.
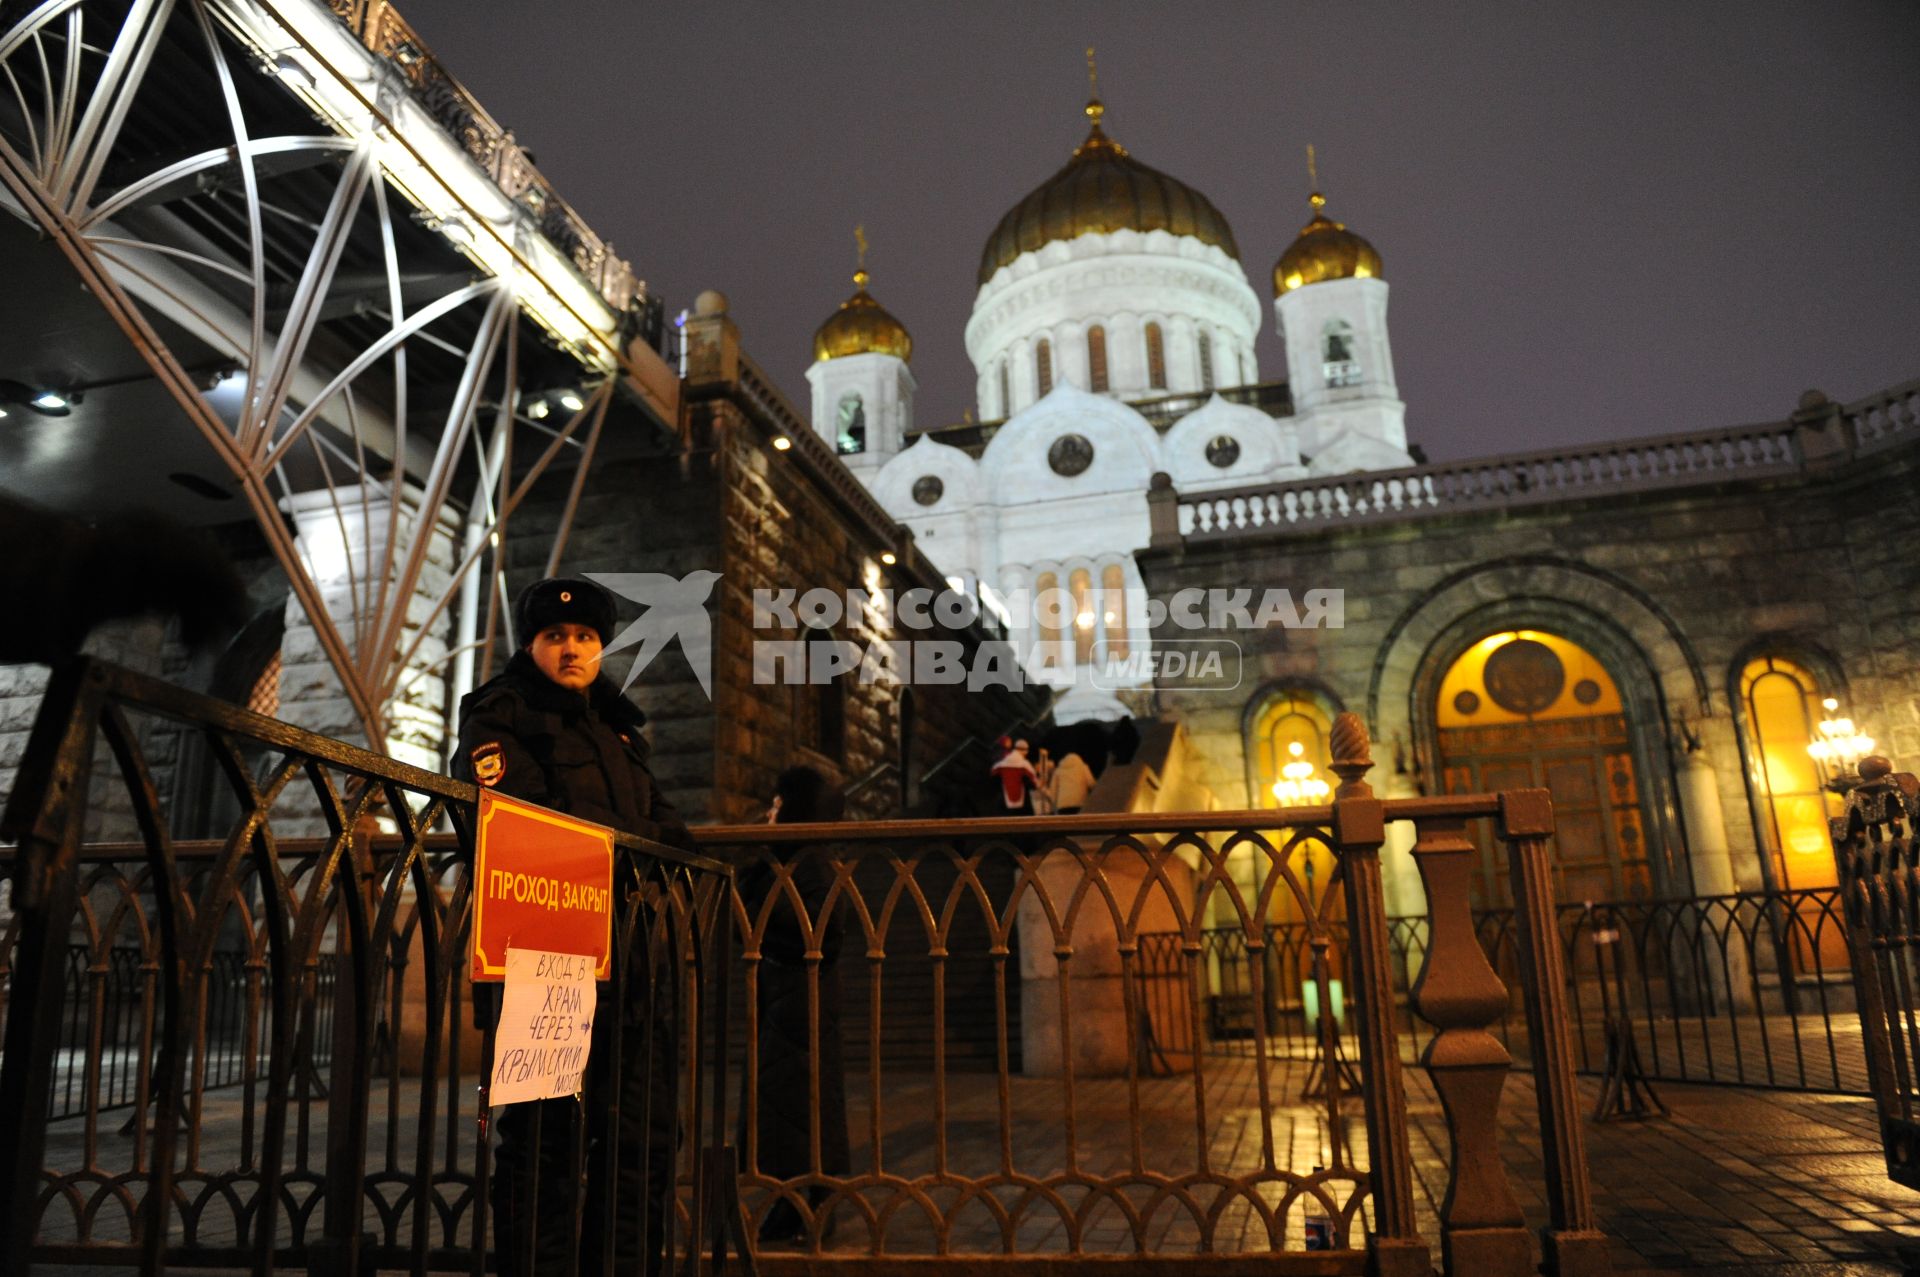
x,y
552,730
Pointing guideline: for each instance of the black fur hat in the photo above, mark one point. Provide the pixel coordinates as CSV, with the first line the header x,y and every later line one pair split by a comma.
x,y
560,599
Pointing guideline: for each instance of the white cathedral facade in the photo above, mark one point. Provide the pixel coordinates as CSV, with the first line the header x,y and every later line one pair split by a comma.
x,y
1112,339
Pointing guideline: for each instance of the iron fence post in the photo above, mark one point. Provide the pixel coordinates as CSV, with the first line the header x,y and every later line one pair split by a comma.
x,y
1483,1229
1575,1246
45,817
1396,1248
1882,885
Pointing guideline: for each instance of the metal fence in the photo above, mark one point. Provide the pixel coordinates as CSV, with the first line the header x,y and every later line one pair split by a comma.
x,y
1090,1126
287,1020
1750,989
107,1039
1100,1131
1878,843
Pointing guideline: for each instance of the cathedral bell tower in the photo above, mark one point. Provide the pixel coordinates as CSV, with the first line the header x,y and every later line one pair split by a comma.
x,y
862,388
1331,305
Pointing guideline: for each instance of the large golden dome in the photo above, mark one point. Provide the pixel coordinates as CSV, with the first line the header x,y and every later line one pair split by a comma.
x,y
1324,249
861,326
1102,188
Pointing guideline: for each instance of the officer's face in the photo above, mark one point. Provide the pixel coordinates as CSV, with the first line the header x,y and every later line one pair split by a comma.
x,y
568,654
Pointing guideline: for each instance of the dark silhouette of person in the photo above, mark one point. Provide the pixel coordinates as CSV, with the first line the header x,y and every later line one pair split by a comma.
x,y
788,1066
1125,740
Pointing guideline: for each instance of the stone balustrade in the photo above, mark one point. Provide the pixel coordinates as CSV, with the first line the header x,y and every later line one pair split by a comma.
x,y
1736,454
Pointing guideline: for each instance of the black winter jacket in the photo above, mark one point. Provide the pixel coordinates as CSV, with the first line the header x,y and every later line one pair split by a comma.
x,y
579,753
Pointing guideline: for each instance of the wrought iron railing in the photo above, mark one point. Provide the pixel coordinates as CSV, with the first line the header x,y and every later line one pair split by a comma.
x,y
1751,989
327,973
957,1043
1017,1081
379,26
1878,845
106,1034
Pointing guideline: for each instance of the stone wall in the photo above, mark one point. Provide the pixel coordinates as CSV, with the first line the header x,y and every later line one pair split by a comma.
x,y
1675,591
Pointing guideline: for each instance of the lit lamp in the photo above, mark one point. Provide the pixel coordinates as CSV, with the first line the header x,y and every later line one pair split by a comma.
x,y
1839,748
1297,784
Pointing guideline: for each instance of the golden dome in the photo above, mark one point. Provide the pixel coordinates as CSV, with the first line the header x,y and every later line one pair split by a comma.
x,y
1324,249
1102,188
862,326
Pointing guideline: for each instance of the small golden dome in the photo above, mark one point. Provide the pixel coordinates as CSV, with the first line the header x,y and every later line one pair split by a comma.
x,y
862,326
1325,249
1102,188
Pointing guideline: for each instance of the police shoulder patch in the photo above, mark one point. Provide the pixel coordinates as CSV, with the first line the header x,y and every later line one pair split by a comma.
x,y
489,763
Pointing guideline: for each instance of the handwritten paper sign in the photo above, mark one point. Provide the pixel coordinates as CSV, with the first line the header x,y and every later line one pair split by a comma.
x,y
546,1026
541,880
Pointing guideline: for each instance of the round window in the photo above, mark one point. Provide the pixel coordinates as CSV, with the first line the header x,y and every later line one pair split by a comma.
x,y
1223,451
1070,455
928,489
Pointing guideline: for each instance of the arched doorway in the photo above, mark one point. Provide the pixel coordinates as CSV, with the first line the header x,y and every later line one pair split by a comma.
x,y
1531,709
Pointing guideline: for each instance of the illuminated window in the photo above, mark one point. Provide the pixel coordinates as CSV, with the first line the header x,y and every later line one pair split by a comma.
x,y
1051,607
1113,616
1084,618
1780,704
851,425
1043,366
1288,717
1156,358
1206,362
1096,358
1339,363
1006,391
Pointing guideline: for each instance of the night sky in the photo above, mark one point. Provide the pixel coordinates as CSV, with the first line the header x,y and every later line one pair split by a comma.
x,y
1598,221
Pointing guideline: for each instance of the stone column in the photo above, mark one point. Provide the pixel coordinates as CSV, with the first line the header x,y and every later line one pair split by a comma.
x,y
1711,861
344,545
343,538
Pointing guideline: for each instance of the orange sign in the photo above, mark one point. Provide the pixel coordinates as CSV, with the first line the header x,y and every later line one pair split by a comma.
x,y
541,881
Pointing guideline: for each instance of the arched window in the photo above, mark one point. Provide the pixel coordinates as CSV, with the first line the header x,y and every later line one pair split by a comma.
x,y
1113,615
1156,358
1085,619
1050,608
1206,360
850,428
1339,361
1780,707
1043,367
1096,358
1240,365
1006,391
1288,717
1288,727
819,709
